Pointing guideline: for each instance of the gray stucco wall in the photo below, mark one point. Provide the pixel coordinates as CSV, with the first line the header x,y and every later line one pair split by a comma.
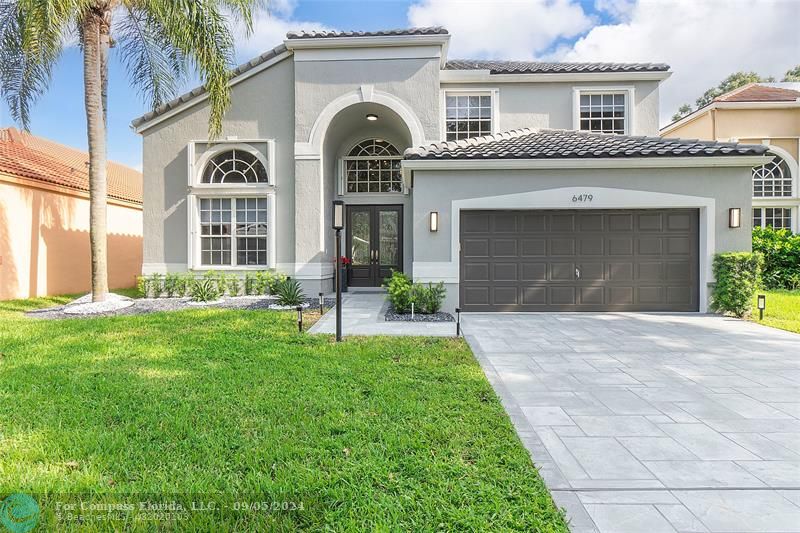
x,y
550,104
261,108
436,190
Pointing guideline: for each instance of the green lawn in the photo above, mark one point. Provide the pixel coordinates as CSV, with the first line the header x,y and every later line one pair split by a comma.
x,y
220,405
782,310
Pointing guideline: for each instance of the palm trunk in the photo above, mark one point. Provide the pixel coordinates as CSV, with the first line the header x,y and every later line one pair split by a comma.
x,y
95,25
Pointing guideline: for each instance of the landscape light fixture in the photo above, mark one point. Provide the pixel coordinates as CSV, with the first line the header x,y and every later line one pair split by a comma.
x,y
762,304
321,304
734,217
372,117
434,221
299,318
458,321
338,224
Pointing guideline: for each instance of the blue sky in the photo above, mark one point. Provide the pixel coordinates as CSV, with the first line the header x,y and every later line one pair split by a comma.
x,y
703,40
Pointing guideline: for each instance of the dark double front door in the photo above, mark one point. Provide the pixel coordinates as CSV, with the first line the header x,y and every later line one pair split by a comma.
x,y
374,243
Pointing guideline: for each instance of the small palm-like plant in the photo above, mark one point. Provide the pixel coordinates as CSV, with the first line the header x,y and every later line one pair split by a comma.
x,y
156,40
205,290
289,292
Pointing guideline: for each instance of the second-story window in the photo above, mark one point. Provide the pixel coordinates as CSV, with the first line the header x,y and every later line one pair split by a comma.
x,y
373,166
773,179
468,115
604,112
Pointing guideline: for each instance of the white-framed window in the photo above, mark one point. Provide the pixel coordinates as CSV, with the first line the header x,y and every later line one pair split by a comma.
x,y
603,109
772,179
233,231
469,113
776,217
373,166
232,205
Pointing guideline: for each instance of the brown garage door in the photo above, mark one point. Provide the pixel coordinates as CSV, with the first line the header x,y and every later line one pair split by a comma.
x,y
588,260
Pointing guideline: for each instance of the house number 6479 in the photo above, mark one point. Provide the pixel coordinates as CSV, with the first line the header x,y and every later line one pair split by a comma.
x,y
582,198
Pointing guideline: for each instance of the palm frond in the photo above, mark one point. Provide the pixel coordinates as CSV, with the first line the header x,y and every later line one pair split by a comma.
x,y
155,67
202,32
32,36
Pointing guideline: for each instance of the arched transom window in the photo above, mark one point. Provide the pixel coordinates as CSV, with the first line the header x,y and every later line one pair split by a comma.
x,y
235,167
373,166
773,179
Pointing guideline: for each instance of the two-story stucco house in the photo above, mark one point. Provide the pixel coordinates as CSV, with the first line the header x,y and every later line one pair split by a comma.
x,y
523,186
758,113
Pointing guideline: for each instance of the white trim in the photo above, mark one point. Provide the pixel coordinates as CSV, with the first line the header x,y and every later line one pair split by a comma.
x,y
366,42
307,270
492,92
141,128
316,137
364,53
410,165
194,262
266,157
630,103
484,76
604,198
793,207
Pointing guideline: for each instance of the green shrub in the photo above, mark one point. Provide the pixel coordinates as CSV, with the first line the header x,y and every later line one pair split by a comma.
x,y
171,282
781,250
233,285
289,292
205,289
738,276
274,280
155,285
429,299
398,291
183,285
141,286
250,284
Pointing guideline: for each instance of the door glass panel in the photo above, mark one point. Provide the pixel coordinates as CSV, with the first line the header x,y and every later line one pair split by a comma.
x,y
359,240
388,231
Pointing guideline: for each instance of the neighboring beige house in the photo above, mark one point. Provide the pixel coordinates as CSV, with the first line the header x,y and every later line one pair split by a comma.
x,y
44,219
758,113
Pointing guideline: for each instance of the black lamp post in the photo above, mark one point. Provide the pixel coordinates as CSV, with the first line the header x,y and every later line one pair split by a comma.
x,y
338,224
762,304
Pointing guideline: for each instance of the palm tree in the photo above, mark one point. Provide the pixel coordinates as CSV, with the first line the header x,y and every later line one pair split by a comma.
x,y
157,40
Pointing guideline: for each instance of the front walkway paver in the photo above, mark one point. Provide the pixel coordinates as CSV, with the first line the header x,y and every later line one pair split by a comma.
x,y
653,422
363,314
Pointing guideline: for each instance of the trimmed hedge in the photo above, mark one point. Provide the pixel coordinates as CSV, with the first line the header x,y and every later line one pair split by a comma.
x,y
781,251
214,284
738,276
402,293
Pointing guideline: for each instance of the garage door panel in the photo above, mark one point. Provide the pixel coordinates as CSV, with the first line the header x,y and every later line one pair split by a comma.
x,y
534,271
505,272
562,271
562,246
475,247
629,260
504,248
533,247
504,295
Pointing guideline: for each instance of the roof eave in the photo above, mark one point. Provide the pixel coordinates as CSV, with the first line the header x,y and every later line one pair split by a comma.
x,y
379,41
410,165
485,76
697,113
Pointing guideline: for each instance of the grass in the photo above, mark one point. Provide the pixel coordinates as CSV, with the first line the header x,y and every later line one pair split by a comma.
x,y
782,310
221,406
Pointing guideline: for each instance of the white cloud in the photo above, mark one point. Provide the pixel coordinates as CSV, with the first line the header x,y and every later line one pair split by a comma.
x,y
510,29
270,28
703,41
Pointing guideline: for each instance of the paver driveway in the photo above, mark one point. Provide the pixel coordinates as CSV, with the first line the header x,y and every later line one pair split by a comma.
x,y
653,422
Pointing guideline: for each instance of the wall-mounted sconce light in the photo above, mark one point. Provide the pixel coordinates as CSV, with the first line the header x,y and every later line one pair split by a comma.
x,y
762,304
734,217
338,214
372,117
434,221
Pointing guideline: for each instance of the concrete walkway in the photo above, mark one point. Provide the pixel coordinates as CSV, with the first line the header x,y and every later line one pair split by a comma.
x,y
653,422
363,314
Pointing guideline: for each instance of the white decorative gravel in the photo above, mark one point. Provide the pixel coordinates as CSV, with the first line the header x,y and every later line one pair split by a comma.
x,y
202,304
277,307
85,306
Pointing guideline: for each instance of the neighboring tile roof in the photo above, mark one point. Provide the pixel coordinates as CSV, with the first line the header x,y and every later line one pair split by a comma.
x,y
26,156
755,92
568,144
430,30
533,67
197,91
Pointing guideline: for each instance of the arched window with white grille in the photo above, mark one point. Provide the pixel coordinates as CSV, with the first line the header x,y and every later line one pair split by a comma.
x,y
772,179
234,167
373,166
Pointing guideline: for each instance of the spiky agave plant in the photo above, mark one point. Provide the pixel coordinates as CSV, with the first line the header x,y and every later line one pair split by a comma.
x,y
157,41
